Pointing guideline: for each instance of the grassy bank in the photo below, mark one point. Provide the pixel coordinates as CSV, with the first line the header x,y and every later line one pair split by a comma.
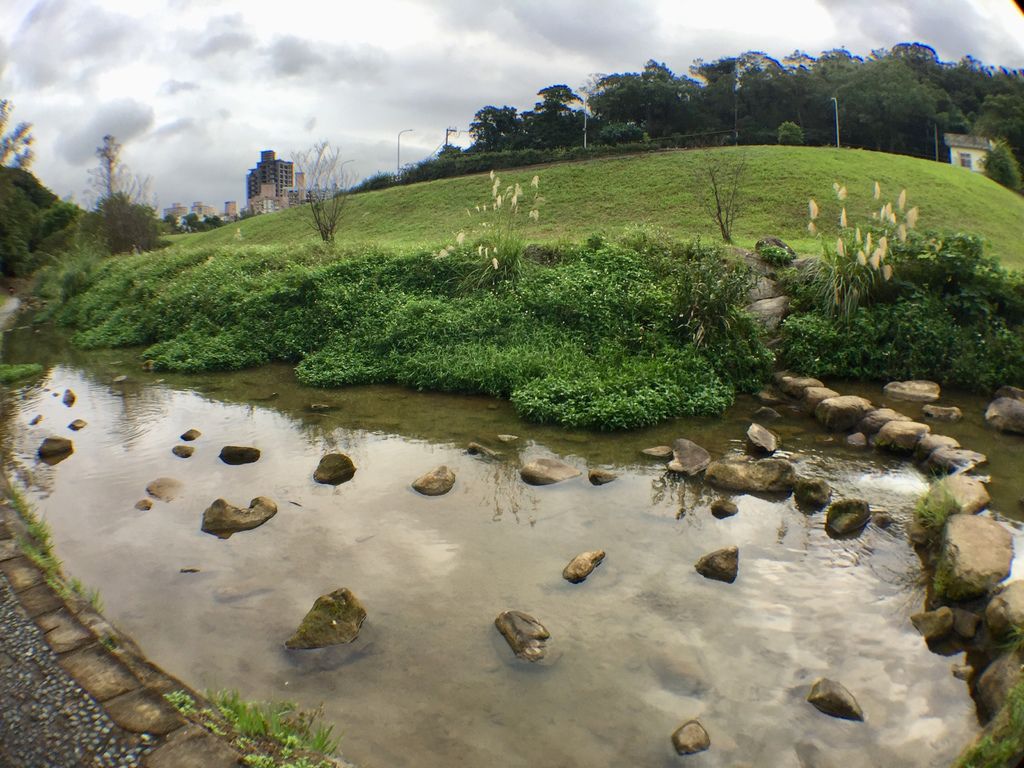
x,y
664,190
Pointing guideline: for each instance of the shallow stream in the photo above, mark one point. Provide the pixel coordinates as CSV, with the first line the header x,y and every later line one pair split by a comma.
x,y
640,647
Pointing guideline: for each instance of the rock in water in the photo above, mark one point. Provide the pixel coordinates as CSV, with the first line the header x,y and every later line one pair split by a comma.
x,y
901,436
833,699
814,395
933,624
1005,611
948,460
878,418
968,494
1006,414
475,449
508,438
794,386
722,508
183,451
189,435
847,516
663,452
840,414
334,469
688,457
812,493
742,473
223,519
931,442
547,472
976,555
601,476
765,413
143,505
164,488
54,449
525,635
582,565
913,391
761,441
942,413
69,398
334,618
77,424
690,738
720,565
436,482
239,454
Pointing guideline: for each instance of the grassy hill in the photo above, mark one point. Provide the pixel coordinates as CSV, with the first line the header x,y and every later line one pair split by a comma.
x,y
665,190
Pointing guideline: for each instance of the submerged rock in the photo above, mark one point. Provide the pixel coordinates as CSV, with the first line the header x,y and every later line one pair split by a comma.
x,y
547,472
192,434
143,505
223,519
582,565
334,469
918,391
742,473
54,449
1006,414
722,508
764,413
436,482
165,488
690,738
901,436
942,413
239,454
77,424
761,441
663,452
35,419
475,449
976,555
183,451
508,438
688,458
720,565
841,414
933,624
335,618
525,635
847,516
812,493
601,476
69,398
833,699
1005,611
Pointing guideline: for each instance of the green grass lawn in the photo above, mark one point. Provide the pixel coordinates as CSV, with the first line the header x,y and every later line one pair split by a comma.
x,y
664,190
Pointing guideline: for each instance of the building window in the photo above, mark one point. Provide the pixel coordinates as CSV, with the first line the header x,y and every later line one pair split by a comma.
x,y
965,160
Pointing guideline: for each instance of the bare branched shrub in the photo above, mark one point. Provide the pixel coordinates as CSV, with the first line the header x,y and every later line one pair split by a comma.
x,y
323,188
720,175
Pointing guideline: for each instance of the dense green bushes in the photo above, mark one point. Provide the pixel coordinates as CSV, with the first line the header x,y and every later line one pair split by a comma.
x,y
607,336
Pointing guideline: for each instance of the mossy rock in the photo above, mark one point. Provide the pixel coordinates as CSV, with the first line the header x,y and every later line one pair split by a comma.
x,y
334,618
847,516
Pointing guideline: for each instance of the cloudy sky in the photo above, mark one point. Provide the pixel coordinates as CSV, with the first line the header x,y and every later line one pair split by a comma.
x,y
196,88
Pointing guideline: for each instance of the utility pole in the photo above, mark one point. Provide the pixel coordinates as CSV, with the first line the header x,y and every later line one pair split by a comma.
x,y
835,103
448,132
398,151
936,127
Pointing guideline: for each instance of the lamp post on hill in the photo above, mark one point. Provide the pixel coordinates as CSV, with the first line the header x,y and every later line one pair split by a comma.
x,y
398,151
835,103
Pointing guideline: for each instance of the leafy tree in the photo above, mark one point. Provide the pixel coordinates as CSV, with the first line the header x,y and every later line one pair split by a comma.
x,y
553,122
495,129
16,144
790,133
1001,166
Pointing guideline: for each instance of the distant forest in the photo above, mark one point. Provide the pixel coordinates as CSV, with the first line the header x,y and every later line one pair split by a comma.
x,y
900,100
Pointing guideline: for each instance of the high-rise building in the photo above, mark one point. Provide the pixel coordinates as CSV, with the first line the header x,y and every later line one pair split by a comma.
x,y
230,209
269,170
177,210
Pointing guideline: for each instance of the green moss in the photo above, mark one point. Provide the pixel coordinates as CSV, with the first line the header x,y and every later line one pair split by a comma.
x,y
934,508
12,373
1002,744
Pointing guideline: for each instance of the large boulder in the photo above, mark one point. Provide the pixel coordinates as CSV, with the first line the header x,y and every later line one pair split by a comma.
x,y
582,566
812,493
913,391
763,288
761,441
1014,393
841,414
942,412
547,472
901,436
743,473
690,738
54,449
847,516
968,494
998,679
976,555
770,312
795,386
334,469
436,482
947,460
334,618
931,442
814,395
1005,611
833,699
720,565
688,457
1006,414
223,519
524,634
876,419
239,454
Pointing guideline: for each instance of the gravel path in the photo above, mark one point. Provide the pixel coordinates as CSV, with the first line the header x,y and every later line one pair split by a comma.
x,y
46,719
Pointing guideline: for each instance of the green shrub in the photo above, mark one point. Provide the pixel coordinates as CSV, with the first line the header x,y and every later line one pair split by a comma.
x,y
790,133
776,256
12,373
1002,167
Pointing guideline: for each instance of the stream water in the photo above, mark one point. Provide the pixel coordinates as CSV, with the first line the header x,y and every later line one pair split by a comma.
x,y
643,645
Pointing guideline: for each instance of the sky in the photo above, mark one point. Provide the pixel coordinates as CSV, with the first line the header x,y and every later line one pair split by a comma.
x,y
195,89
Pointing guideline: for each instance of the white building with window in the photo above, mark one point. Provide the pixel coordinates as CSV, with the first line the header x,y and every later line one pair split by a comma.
x,y
967,151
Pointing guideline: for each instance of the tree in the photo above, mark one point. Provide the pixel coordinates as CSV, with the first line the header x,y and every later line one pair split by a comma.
x,y
126,221
720,174
1001,166
325,192
790,133
496,128
16,144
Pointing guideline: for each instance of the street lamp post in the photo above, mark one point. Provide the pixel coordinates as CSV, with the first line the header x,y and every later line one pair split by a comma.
x,y
835,103
398,151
